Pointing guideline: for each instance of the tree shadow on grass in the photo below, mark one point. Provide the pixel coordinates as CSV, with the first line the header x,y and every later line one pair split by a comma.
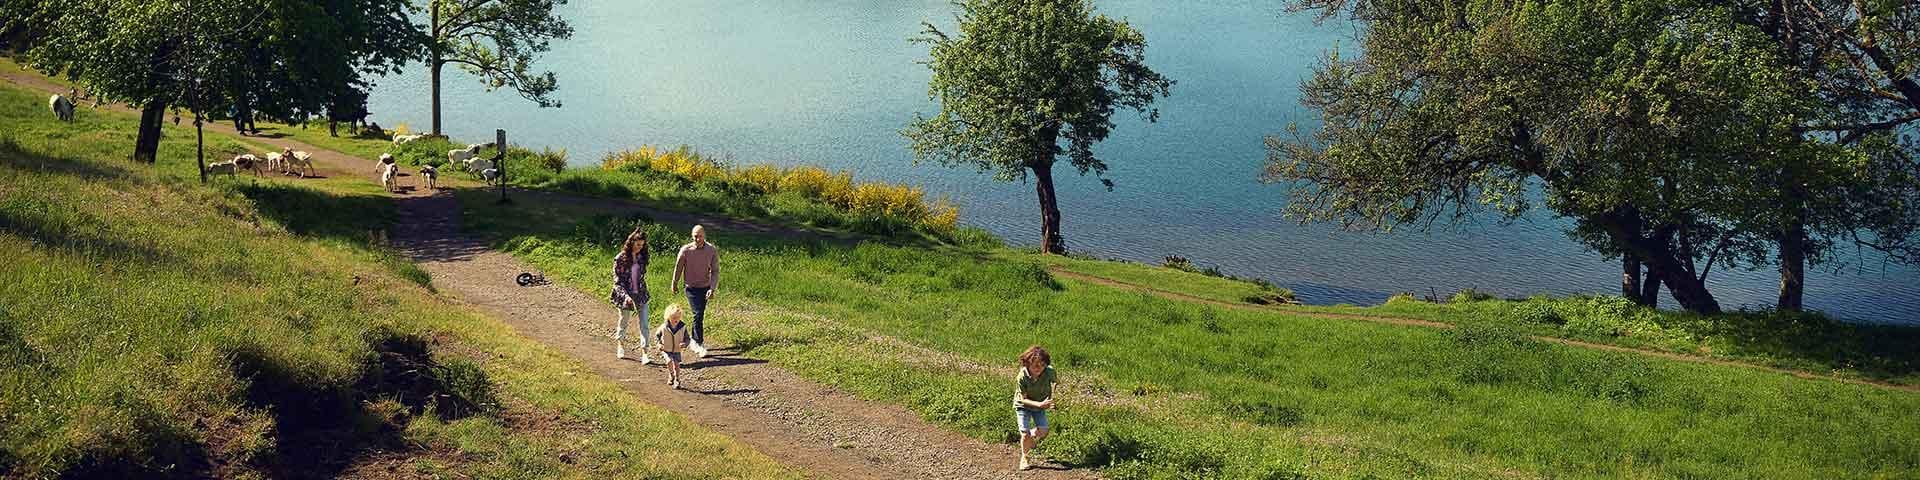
x,y
12,155
77,232
321,429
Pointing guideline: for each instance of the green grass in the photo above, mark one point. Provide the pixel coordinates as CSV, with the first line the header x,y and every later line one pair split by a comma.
x,y
1806,342
151,326
1161,388
1159,278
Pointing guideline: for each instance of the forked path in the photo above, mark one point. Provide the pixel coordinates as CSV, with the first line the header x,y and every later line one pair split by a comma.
x,y
820,431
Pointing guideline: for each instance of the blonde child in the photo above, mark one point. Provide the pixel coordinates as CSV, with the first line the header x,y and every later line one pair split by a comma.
x,y
673,336
1032,398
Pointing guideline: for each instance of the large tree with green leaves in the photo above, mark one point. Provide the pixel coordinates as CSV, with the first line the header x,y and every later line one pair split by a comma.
x,y
213,56
1863,58
1660,127
1020,77
496,40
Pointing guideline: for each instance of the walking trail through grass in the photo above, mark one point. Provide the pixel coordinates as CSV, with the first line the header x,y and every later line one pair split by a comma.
x,y
827,433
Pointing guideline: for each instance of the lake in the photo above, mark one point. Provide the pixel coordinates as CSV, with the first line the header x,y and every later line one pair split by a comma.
x,y
832,82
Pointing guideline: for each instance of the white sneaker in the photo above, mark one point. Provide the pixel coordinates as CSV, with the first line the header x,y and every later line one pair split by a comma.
x,y
645,358
620,351
699,351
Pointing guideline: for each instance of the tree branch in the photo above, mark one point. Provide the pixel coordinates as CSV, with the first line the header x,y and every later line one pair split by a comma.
x,y
1854,132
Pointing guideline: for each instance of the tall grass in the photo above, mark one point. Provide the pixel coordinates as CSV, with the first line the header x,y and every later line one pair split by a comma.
x,y
1167,389
153,327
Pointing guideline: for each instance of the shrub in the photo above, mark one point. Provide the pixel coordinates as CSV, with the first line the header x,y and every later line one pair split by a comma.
x,y
1469,295
763,178
425,151
1537,312
1180,263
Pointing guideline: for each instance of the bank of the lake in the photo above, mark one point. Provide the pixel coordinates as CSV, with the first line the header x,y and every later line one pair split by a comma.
x,y
832,83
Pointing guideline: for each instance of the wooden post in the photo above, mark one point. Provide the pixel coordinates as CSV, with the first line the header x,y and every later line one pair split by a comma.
x,y
500,152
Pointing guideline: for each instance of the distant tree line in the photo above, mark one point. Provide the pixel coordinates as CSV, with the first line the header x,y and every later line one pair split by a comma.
x,y
289,59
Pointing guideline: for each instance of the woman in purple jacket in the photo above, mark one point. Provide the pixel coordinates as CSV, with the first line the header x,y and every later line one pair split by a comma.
x,y
630,292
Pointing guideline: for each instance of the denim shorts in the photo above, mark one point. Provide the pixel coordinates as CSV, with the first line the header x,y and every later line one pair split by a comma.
x,y
1030,419
674,356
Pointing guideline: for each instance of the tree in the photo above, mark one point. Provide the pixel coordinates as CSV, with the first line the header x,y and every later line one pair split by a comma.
x,y
1864,59
1021,76
1658,126
496,40
237,55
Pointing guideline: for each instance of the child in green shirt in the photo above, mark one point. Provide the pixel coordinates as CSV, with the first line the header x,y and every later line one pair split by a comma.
x,y
1032,398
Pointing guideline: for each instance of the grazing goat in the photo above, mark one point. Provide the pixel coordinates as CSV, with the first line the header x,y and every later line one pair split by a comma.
x,y
226,167
61,106
295,162
478,165
405,139
247,161
490,175
276,162
469,153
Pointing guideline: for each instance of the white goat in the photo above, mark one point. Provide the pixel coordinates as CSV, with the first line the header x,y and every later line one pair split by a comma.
x,y
61,106
226,167
462,155
300,163
478,165
405,139
388,170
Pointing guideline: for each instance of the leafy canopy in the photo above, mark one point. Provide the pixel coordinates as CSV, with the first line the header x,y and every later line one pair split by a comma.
x,y
1021,74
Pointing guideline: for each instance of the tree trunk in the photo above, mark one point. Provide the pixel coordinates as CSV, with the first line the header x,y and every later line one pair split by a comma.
x,y
1630,278
1658,256
146,148
434,63
1650,290
200,145
1050,240
1793,267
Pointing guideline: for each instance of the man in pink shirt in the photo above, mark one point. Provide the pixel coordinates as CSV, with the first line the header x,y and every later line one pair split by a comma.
x,y
698,265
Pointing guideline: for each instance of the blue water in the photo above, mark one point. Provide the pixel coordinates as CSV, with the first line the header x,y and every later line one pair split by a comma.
x,y
832,82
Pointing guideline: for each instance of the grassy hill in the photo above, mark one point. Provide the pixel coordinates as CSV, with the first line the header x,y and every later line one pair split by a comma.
x,y
151,326
1158,387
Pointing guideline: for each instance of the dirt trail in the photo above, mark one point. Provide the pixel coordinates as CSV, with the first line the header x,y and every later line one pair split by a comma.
x,y
820,431
1432,324
827,433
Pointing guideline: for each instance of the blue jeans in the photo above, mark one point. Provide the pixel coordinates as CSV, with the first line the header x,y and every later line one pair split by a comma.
x,y
697,298
1030,419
